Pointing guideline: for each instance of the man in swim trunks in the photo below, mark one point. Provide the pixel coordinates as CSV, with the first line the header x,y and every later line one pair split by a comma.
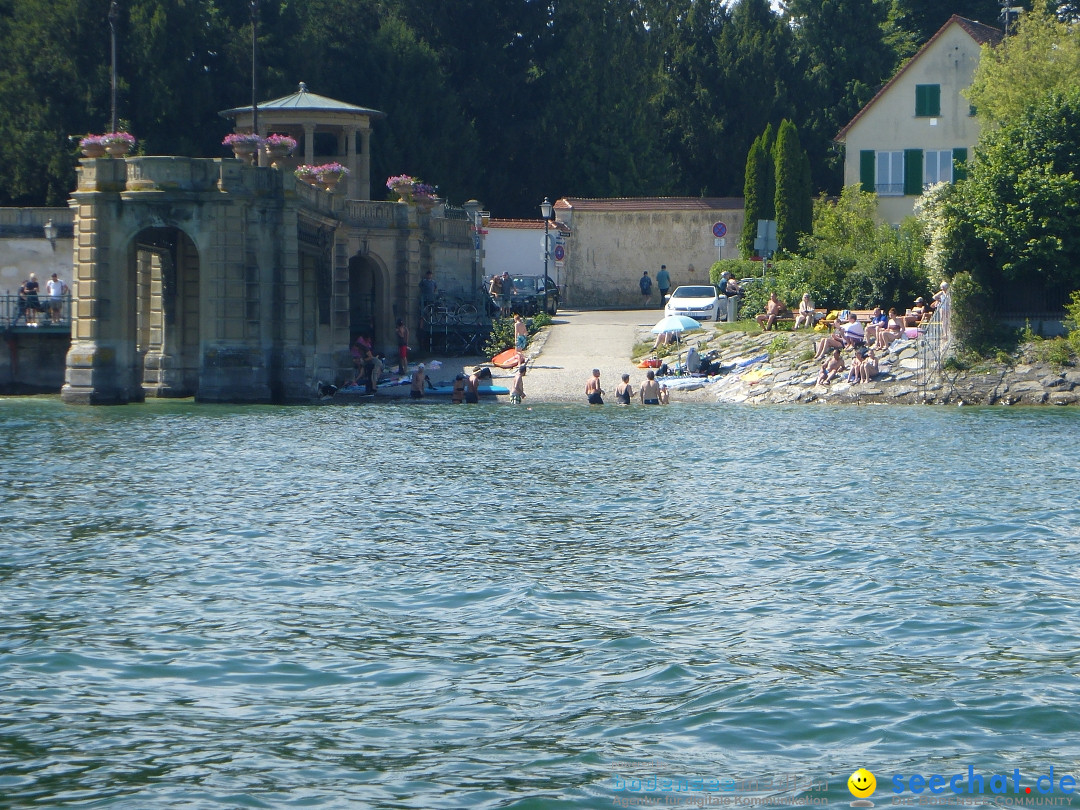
x,y
650,390
472,388
593,391
521,333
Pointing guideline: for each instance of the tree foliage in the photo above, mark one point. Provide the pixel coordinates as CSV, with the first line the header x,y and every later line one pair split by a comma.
x,y
506,101
1041,58
792,196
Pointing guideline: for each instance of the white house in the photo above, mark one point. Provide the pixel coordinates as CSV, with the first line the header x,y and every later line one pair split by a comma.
x,y
918,130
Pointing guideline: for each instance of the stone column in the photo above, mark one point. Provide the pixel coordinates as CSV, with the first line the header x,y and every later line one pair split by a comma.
x,y
363,185
101,363
309,144
350,161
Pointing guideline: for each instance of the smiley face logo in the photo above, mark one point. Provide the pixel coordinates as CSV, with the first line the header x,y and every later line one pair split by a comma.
x,y
862,783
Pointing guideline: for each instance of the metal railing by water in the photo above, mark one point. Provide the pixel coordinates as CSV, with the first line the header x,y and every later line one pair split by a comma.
x,y
51,314
935,341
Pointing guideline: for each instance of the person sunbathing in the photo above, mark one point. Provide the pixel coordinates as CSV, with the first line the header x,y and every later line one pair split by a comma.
x,y
870,367
806,312
892,331
830,368
773,308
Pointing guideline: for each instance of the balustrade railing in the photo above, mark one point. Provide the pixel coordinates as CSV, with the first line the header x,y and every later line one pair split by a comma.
x,y
50,314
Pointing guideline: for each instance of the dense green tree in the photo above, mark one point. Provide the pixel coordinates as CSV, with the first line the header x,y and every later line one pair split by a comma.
x,y
1020,204
913,22
758,189
1040,58
792,195
843,59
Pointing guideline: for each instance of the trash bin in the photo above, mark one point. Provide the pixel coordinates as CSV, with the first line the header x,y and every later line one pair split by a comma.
x,y
732,308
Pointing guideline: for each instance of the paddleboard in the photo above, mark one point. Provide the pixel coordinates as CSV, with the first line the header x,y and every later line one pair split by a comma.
x,y
507,359
446,390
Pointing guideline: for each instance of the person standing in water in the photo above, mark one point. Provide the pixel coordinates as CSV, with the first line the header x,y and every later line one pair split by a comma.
x,y
623,391
517,387
649,391
593,391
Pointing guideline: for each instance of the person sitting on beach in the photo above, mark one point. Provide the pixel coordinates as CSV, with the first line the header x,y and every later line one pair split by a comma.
x,y
806,312
854,332
870,367
831,367
892,330
649,391
914,315
834,340
854,375
623,391
878,319
773,308
664,339
593,392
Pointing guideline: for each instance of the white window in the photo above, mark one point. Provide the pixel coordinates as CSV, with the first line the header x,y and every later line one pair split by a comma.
x,y
890,174
937,167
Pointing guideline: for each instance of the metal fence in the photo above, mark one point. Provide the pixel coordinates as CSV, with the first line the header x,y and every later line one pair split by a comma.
x,y
50,313
934,343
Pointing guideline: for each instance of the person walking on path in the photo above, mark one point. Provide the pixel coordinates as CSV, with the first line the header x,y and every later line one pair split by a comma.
x,y
663,283
649,391
521,333
646,289
402,332
593,391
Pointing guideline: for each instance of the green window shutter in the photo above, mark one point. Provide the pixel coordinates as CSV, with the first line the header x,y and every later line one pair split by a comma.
x,y
927,100
913,165
959,160
866,170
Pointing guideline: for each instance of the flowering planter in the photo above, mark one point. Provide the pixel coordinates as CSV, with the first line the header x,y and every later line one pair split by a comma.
x,y
245,151
118,148
92,149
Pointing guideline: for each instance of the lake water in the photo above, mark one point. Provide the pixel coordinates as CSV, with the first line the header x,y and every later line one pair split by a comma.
x,y
427,606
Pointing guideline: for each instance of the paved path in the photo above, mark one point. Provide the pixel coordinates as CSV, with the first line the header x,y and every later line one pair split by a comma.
x,y
578,342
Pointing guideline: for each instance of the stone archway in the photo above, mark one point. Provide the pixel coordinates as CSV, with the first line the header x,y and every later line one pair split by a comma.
x,y
370,306
164,267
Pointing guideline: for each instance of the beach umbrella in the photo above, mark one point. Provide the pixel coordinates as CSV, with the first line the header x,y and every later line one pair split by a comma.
x,y
677,324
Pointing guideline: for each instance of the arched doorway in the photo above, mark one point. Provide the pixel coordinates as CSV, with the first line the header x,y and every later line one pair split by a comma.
x,y
166,323
370,312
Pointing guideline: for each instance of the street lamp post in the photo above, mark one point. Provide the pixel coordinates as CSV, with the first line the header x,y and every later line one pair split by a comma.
x,y
254,66
545,212
114,14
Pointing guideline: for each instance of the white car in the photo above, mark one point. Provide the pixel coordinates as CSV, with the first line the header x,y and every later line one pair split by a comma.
x,y
698,301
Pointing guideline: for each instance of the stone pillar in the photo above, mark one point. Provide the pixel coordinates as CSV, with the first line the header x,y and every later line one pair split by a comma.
x,y
309,144
353,183
101,363
363,186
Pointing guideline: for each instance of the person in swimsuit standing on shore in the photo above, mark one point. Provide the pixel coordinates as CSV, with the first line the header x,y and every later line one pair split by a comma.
x,y
593,391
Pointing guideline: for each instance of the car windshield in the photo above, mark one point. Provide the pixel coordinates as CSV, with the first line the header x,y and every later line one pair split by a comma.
x,y
694,292
526,283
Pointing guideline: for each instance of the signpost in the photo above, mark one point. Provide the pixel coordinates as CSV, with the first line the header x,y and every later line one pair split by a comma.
x,y
719,230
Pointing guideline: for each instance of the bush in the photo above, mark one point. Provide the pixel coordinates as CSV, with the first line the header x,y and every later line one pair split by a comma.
x,y
971,320
539,321
501,336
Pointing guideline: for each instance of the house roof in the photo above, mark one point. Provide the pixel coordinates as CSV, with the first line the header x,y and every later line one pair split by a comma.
x,y
527,224
648,203
304,100
980,32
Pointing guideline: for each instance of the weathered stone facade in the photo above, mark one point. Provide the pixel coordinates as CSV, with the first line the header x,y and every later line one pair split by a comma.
x,y
227,282
612,241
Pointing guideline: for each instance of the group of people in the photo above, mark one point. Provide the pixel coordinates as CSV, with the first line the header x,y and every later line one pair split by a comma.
x,y
663,284
650,393
502,291
31,305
